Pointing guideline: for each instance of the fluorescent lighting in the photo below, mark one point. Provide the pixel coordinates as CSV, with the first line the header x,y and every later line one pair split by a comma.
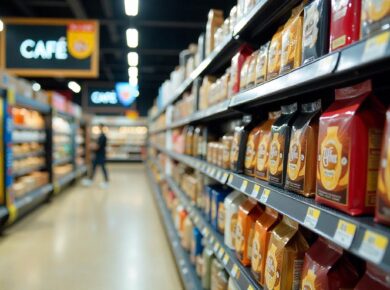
x,y
36,87
131,7
133,72
133,81
1,25
75,87
132,58
137,94
132,37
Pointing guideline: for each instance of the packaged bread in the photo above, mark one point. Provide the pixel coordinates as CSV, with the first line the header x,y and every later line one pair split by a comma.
x,y
251,80
375,15
382,210
251,147
274,54
302,154
326,267
344,23
232,203
280,143
347,175
286,250
292,41
315,36
248,212
374,278
227,141
262,63
261,169
263,229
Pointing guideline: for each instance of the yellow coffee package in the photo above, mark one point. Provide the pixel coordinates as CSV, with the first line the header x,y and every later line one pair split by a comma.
x,y
261,64
292,41
280,143
375,15
274,54
263,229
261,169
251,147
286,251
302,155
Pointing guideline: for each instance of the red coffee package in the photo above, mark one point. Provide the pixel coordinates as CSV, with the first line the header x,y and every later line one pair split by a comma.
x,y
237,62
349,143
326,267
373,279
344,23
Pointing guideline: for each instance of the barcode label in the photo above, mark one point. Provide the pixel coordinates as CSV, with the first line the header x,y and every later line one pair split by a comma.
x,y
373,247
255,190
345,233
265,195
312,217
244,185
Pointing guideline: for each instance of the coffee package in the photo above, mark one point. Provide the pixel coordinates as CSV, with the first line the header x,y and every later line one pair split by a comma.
x,y
263,229
250,153
189,140
382,210
248,213
344,23
232,284
251,78
274,54
244,73
196,245
292,41
208,258
347,174
326,267
280,143
216,267
262,63
232,203
227,141
237,63
315,36
219,194
262,151
302,154
286,250
375,16
374,279
215,20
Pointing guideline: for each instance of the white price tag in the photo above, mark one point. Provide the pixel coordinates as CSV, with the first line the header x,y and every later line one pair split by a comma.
x,y
265,195
373,247
244,185
225,177
255,190
376,46
312,217
250,287
226,259
219,175
231,177
345,233
216,247
235,271
221,252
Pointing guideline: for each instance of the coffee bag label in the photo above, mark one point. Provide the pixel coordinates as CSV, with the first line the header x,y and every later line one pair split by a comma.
x,y
276,156
262,156
272,268
296,159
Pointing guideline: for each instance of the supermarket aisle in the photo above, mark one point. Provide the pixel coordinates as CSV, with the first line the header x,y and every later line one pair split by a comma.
x,y
90,239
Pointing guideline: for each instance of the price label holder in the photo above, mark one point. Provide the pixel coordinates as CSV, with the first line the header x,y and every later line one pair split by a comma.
x,y
219,174
345,233
312,216
230,180
235,271
225,259
376,46
374,246
225,177
244,185
221,252
255,191
265,195
216,247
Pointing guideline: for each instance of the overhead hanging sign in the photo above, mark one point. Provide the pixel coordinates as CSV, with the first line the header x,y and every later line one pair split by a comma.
x,y
50,47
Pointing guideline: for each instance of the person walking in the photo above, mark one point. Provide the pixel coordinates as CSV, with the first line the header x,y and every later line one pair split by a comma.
x,y
99,159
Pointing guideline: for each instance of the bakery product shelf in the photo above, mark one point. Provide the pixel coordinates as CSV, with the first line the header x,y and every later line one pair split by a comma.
x,y
27,170
32,199
187,270
32,104
27,155
226,256
62,161
360,235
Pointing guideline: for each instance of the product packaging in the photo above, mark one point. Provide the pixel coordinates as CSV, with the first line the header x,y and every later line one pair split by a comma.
x,y
262,63
227,141
326,267
196,141
244,73
274,54
215,20
251,147
189,140
375,16
216,267
302,155
208,257
232,284
251,78
347,174
196,245
292,41
344,23
263,229
187,233
219,194
235,73
248,213
208,200
232,203
237,153
315,36
222,280
373,279
280,143
286,250
261,169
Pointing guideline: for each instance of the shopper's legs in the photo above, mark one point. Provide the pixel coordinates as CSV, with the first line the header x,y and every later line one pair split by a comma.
x,y
105,172
94,164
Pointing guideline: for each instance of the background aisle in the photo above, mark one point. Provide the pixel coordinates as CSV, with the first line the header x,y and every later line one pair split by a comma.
x,y
91,238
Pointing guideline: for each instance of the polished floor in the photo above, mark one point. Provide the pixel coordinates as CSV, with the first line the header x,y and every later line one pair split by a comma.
x,y
91,239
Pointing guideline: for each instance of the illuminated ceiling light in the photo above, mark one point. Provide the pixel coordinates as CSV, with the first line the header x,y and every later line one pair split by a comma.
x,y
132,58
131,7
133,81
75,87
1,25
132,37
133,72
36,87
137,94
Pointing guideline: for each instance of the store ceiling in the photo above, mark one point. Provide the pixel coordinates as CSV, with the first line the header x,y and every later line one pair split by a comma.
x,y
165,28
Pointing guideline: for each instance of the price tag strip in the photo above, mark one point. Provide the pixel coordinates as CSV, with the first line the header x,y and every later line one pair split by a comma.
x,y
226,259
265,195
255,191
312,217
345,233
244,185
374,246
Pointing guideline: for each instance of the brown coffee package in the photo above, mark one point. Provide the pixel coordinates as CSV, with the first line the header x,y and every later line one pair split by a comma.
x,y
302,155
326,267
250,154
382,210
189,141
274,54
262,151
373,279
244,73
227,141
261,64
285,254
251,79
280,143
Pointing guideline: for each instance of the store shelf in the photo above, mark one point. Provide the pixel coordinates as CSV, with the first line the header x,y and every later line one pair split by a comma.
x,y
62,133
226,256
137,158
82,170
27,155
62,161
32,104
27,170
63,181
320,219
187,270
36,140
27,128
32,199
